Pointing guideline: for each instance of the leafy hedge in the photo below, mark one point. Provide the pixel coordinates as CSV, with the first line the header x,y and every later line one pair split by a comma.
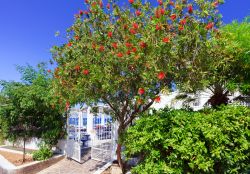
x,y
43,153
179,141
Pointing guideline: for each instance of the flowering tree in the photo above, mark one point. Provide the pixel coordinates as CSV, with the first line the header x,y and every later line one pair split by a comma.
x,y
125,56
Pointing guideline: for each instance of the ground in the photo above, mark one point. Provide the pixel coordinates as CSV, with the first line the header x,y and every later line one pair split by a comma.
x,y
15,158
67,166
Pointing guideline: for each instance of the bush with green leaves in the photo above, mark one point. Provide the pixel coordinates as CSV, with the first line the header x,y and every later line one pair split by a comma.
x,y
179,141
43,153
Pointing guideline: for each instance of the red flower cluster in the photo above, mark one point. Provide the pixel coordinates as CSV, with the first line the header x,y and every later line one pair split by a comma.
x,y
49,71
159,12
160,2
81,12
101,48
85,72
183,21
158,27
157,99
67,105
190,9
77,68
161,75
215,4
119,54
137,12
128,45
115,45
131,1
166,40
77,37
173,16
69,44
143,45
210,25
110,34
171,3
141,91
181,27
108,6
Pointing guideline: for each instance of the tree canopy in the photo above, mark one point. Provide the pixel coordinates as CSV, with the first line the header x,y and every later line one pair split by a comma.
x,y
28,111
124,56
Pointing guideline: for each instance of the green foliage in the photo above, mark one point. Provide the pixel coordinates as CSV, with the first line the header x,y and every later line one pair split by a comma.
x,y
239,33
28,110
43,153
179,141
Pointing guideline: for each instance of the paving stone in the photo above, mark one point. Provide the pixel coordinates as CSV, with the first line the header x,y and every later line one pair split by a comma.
x,y
68,166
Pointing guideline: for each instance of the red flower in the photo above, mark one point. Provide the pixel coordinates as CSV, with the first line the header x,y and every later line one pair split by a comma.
x,y
94,4
166,40
141,91
125,26
132,31
139,101
86,1
86,12
128,45
157,27
81,12
101,48
210,25
173,16
135,26
183,21
160,2
119,54
157,99
171,3
180,28
162,10
134,49
157,13
161,75
49,71
77,37
190,9
100,4
77,68
67,105
128,52
215,4
131,1
108,6
85,72
114,45
69,44
110,34
143,45
138,12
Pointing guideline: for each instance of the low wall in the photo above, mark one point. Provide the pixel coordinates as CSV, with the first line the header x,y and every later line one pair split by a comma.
x,y
34,167
30,144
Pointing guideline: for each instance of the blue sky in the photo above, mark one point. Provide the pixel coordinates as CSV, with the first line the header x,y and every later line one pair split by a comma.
x,y
27,28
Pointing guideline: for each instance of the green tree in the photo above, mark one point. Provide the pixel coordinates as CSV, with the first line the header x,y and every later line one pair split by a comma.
x,y
228,70
124,56
28,110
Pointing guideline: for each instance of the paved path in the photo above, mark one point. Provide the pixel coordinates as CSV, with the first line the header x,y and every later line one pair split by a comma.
x,y
68,166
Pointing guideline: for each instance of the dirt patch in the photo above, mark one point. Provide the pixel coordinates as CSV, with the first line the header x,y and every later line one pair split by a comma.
x,y
15,158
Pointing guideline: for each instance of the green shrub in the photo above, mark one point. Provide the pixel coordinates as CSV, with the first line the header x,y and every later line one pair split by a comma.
x,y
43,153
178,141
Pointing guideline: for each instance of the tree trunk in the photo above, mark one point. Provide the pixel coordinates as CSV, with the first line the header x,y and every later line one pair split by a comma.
x,y
119,149
24,141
